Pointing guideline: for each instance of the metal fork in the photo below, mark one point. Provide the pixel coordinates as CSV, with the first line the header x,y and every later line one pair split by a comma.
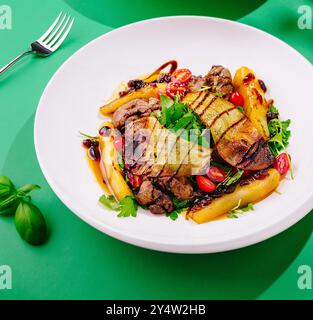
x,y
49,42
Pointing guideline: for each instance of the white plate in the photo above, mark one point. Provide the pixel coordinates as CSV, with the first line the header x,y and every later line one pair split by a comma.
x,y
71,100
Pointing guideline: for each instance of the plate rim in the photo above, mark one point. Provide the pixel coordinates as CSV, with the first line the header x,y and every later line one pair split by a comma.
x,y
212,247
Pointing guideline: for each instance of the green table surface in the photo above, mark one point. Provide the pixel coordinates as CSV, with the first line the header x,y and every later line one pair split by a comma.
x,y
79,262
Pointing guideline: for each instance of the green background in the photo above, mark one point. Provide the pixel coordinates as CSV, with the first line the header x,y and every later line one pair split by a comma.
x,y
79,262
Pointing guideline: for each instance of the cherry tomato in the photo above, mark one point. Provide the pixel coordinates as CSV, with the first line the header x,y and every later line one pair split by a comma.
x,y
216,174
237,99
282,163
205,184
118,143
173,88
181,76
135,181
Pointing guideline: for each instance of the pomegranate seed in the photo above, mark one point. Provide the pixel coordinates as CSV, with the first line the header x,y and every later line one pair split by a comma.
x,y
93,153
87,143
262,85
248,78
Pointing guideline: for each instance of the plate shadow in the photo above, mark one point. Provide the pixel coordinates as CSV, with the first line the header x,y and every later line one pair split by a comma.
x,y
117,13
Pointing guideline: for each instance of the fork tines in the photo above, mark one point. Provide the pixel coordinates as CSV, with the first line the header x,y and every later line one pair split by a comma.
x,y
58,31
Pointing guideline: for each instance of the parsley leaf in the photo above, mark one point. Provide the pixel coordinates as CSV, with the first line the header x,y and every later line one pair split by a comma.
x,y
128,207
174,214
179,206
166,103
176,116
109,202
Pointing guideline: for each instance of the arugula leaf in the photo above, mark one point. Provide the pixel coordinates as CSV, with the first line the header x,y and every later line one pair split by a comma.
x,y
234,178
279,135
128,207
109,202
231,178
273,109
237,210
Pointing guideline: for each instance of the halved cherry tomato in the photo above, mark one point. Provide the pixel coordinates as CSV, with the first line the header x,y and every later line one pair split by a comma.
x,y
282,163
135,181
216,174
118,143
237,99
205,184
173,88
181,76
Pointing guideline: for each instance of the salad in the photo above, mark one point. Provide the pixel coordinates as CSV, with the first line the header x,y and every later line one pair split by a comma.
x,y
175,143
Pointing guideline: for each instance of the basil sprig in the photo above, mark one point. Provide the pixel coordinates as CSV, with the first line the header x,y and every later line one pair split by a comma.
x,y
29,221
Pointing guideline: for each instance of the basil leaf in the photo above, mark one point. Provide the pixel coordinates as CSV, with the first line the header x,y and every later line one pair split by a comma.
x,y
27,189
6,187
30,223
9,205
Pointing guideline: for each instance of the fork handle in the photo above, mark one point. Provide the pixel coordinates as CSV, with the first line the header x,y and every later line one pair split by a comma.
x,y
11,63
